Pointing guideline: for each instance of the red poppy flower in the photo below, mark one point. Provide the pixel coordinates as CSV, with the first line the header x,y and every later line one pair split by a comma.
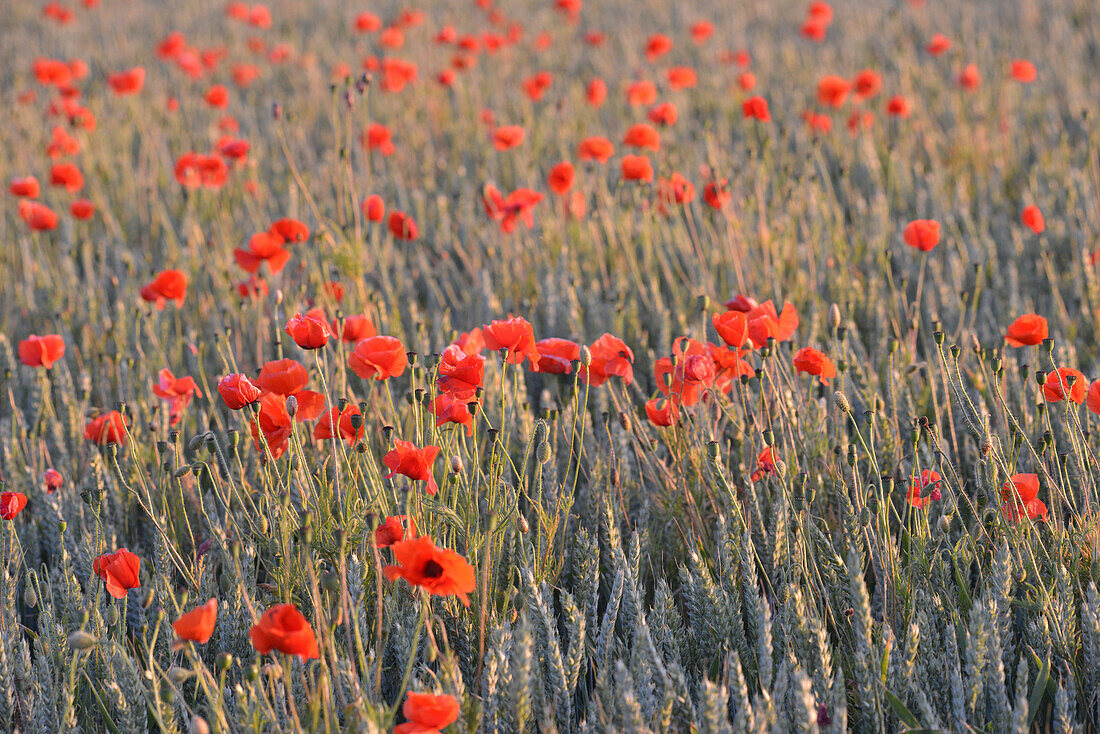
x,y
426,712
367,22
440,571
338,422
169,285
393,531
898,106
39,217
814,30
1023,71
663,114
757,108
641,135
688,373
535,86
507,137
733,327
938,45
701,30
373,208
560,178
1092,400
717,194
415,463
1057,386
11,504
1032,218
274,422
61,144
178,391
1020,496
657,46
310,330
217,96
610,356
765,464
447,409
637,168
556,356
283,628
509,211
82,209
728,366
595,148
816,122
1027,330
378,357
106,428
378,137
674,190
867,84
641,93
120,570
259,16
461,374
402,226
356,328
263,247
922,234
812,362
663,412
747,81
969,78
514,335
290,230
682,77
235,149
917,485
201,171
53,480
198,624
127,82
832,90
764,322
26,187
41,351
596,92
238,391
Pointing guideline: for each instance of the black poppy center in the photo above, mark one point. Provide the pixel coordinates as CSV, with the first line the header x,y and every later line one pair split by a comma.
x,y
433,570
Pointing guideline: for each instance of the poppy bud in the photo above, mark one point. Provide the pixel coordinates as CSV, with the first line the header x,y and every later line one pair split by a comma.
x,y
198,726
841,402
834,316
81,640
178,675
865,517
330,582
276,111
456,464
521,523
291,406
944,523
585,357
30,597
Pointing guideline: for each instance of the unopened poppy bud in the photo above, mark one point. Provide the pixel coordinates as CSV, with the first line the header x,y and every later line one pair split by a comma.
x,y
30,597
521,523
183,471
276,111
834,316
330,582
194,442
234,437
841,402
780,468
543,452
944,523
456,464
111,618
892,346
81,640
585,356
178,675
865,517
198,726
278,296
252,673
625,422
356,421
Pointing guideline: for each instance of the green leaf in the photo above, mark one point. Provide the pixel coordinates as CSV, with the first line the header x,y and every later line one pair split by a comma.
x,y
1041,684
901,711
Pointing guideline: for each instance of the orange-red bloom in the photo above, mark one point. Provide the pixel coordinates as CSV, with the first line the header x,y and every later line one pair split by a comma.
x,y
664,114
274,422
1027,330
41,351
867,84
198,624
1032,218
106,428
66,176
415,463
378,357
340,423
238,391
556,356
283,628
53,480
765,322
641,93
428,713
448,409
832,90
393,531
756,108
596,92
560,178
378,137
1020,497
637,168
27,187
373,208
310,330
733,327
610,356
812,362
923,234
663,412
178,391
969,78
641,135
938,45
439,571
194,170
1023,71
595,148
169,285
11,504
682,77
120,571
765,464
1093,397
127,82
687,373
39,217
402,226
1057,386
514,335
928,478
507,137
461,374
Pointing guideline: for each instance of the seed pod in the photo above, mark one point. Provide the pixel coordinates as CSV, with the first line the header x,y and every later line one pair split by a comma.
x,y
81,640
